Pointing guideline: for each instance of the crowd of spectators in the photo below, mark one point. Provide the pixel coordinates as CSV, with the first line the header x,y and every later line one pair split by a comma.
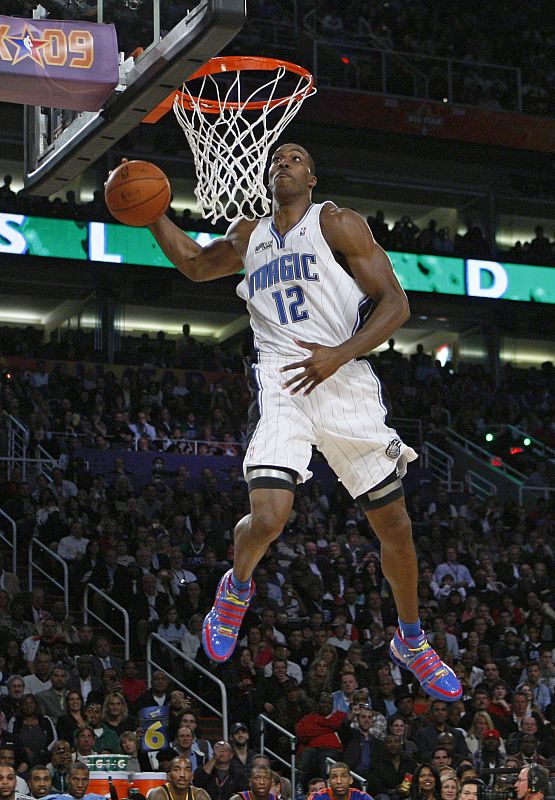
x,y
313,652
134,411
446,30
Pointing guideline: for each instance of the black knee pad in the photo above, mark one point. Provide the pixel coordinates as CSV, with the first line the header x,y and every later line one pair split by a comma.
x,y
267,477
384,493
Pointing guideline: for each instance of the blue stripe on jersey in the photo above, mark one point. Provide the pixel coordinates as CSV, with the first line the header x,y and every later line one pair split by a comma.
x,y
365,308
379,385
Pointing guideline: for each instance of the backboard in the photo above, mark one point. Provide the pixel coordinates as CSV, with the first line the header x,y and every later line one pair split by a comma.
x,y
61,144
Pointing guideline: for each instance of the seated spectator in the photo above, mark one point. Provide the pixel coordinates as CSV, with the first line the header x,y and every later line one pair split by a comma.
x,y
129,746
10,702
52,702
84,682
34,733
388,776
489,756
426,738
158,695
189,718
115,714
528,753
362,748
219,777
426,783
67,724
132,686
540,692
239,740
105,737
481,722
318,738
103,659
184,744
449,786
342,699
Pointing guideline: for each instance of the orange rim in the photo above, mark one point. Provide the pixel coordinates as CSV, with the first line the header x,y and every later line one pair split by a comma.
x,y
216,66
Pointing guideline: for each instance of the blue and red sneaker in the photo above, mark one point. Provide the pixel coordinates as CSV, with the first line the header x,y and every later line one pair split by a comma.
x,y
436,678
222,623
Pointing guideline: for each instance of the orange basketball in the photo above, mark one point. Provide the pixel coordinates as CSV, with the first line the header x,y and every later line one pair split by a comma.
x,y
137,193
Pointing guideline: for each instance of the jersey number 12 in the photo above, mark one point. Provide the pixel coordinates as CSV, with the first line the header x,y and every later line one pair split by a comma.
x,y
295,314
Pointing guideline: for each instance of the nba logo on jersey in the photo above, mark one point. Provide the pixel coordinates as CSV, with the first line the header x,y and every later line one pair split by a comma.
x,y
302,231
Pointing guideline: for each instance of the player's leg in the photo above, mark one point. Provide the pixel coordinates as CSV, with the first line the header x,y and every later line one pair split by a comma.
x,y
271,502
365,452
386,511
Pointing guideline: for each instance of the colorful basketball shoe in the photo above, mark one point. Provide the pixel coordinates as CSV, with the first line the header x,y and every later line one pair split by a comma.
x,y
222,623
436,678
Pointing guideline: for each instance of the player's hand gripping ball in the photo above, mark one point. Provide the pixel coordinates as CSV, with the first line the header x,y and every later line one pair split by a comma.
x,y
137,193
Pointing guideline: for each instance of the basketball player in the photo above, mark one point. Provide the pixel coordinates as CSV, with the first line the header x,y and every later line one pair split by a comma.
x,y
320,293
339,785
260,784
178,787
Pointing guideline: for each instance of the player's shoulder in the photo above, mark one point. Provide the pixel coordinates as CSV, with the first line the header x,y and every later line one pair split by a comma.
x,y
337,217
241,228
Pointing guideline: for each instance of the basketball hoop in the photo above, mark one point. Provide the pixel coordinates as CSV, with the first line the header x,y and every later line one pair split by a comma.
x,y
231,125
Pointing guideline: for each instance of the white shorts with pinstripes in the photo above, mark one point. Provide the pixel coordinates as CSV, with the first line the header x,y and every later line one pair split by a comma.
x,y
344,417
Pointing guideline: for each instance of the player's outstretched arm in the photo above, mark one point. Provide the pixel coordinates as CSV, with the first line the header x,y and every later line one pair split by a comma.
x,y
220,258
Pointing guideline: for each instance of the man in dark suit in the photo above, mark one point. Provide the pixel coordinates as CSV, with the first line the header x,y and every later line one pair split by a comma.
x,y
112,578
84,681
149,607
362,750
426,738
103,659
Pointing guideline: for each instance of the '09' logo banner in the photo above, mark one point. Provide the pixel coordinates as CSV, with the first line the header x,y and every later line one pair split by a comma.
x,y
58,64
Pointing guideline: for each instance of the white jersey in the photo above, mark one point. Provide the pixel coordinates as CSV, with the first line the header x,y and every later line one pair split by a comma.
x,y
294,288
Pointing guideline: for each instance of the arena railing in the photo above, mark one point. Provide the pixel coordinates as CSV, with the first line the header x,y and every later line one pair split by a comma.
x,y
35,565
539,448
18,439
150,663
478,485
11,543
541,491
440,463
264,721
89,612
485,456
414,76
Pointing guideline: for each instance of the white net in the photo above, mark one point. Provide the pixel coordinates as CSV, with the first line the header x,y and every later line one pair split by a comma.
x,y
230,136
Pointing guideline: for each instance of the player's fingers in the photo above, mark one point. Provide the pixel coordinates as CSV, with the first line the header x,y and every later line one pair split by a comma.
x,y
296,365
305,345
300,386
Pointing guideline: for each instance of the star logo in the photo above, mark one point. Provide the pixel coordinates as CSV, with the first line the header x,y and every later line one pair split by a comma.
x,y
28,46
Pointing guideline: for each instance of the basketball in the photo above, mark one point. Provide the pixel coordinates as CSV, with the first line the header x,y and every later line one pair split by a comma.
x,y
137,193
